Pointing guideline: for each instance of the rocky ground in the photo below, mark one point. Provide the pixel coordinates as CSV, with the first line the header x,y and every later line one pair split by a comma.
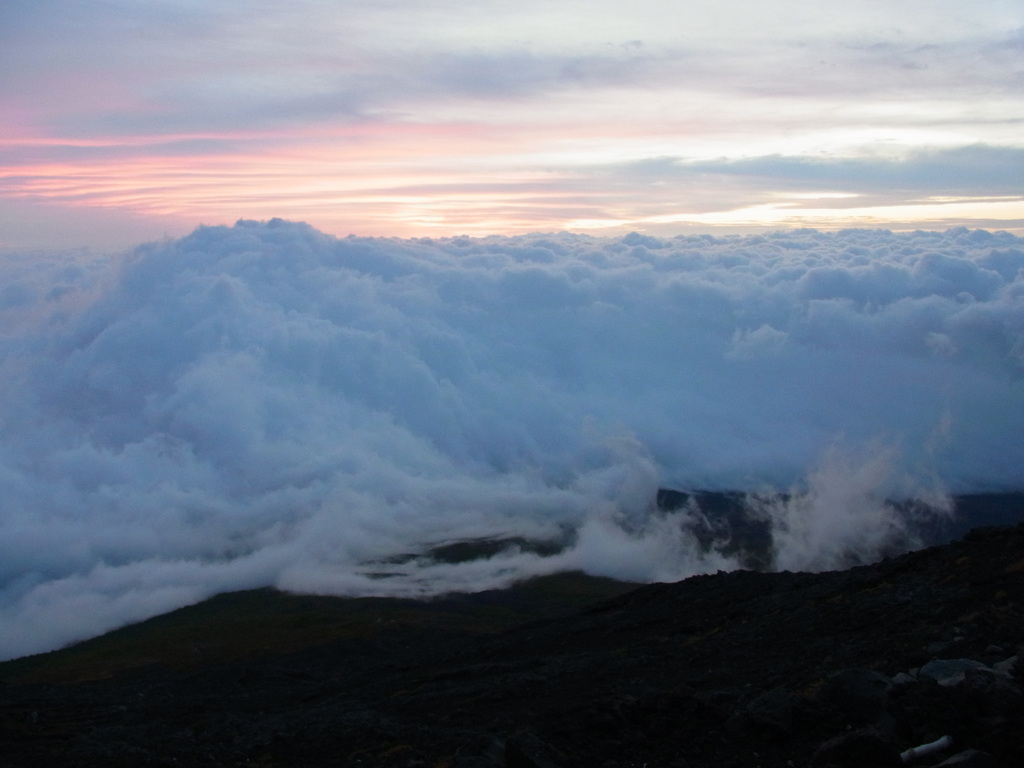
x,y
852,668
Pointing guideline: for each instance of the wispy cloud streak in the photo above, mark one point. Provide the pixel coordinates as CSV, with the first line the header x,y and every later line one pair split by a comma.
x,y
249,109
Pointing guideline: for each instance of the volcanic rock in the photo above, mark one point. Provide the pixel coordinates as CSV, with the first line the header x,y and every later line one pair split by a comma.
x,y
846,668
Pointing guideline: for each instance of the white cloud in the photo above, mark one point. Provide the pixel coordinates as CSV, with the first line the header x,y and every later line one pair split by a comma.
x,y
265,404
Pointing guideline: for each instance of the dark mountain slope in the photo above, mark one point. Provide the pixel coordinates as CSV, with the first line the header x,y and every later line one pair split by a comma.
x,y
733,669
259,622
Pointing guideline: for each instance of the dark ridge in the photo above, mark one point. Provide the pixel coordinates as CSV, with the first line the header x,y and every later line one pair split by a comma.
x,y
722,520
976,510
727,522
466,550
846,668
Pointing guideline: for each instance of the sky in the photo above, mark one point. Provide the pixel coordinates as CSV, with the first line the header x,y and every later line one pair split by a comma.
x,y
127,121
266,404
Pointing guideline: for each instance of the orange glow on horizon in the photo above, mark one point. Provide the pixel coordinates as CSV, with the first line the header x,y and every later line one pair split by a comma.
x,y
406,179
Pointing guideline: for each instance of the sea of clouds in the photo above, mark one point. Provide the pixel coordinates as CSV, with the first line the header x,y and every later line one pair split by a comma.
x,y
265,404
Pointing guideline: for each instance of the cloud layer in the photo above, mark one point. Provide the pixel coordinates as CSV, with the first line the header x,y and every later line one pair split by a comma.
x,y
266,404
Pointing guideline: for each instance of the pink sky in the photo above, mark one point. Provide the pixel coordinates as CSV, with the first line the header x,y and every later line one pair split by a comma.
x,y
126,121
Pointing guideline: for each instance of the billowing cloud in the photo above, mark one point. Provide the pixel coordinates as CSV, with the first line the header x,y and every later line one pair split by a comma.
x,y
265,404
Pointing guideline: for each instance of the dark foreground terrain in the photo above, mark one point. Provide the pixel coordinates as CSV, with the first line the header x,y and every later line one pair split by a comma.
x,y
750,669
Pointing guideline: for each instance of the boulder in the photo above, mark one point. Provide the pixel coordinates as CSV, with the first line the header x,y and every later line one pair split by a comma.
x,y
856,749
971,758
949,672
858,694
